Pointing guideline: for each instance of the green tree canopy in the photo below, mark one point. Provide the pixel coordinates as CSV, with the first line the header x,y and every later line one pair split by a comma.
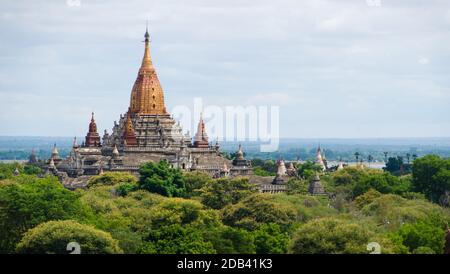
x,y
26,204
308,169
425,236
258,209
219,193
382,182
269,239
230,240
330,236
176,239
394,165
264,167
297,186
52,238
431,176
7,170
183,212
112,178
366,198
32,170
161,178
392,211
195,181
259,171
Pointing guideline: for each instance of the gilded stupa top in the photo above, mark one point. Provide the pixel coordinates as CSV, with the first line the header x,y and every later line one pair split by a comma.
x,y
147,97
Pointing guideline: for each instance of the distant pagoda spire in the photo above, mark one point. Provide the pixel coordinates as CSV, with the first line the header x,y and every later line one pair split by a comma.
x,y
75,143
32,159
201,138
240,160
341,165
217,146
147,97
319,158
55,153
16,172
92,137
281,168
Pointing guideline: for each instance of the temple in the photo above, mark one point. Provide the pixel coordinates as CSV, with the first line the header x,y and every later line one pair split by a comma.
x,y
320,159
145,132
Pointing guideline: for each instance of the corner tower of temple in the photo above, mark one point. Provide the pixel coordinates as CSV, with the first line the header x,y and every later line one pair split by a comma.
x,y
147,97
92,137
201,138
129,137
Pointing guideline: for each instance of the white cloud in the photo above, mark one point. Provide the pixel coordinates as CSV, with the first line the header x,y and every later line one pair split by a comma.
x,y
273,98
423,61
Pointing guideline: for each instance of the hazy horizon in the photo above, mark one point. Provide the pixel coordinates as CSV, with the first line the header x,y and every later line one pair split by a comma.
x,y
281,138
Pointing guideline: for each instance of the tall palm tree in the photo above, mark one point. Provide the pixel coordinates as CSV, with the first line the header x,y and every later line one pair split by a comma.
x,y
370,159
357,157
408,156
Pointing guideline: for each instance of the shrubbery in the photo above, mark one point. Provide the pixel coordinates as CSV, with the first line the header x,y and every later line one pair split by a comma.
x,y
331,236
162,179
168,211
28,201
54,236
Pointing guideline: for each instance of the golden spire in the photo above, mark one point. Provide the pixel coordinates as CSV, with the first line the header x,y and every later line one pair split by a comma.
x,y
147,59
147,97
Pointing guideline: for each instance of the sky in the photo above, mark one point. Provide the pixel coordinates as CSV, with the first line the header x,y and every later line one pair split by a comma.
x,y
335,69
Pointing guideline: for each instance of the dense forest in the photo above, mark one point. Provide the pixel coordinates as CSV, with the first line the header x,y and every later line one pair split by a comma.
x,y
168,211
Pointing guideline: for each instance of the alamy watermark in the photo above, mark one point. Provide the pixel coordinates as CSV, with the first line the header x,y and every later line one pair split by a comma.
x,y
234,123
74,247
373,3
73,3
374,248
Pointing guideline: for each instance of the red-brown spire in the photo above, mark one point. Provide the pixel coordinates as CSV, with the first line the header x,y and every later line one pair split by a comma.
x,y
92,137
129,138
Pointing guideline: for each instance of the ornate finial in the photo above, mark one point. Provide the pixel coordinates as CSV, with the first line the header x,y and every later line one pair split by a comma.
x,y
147,36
